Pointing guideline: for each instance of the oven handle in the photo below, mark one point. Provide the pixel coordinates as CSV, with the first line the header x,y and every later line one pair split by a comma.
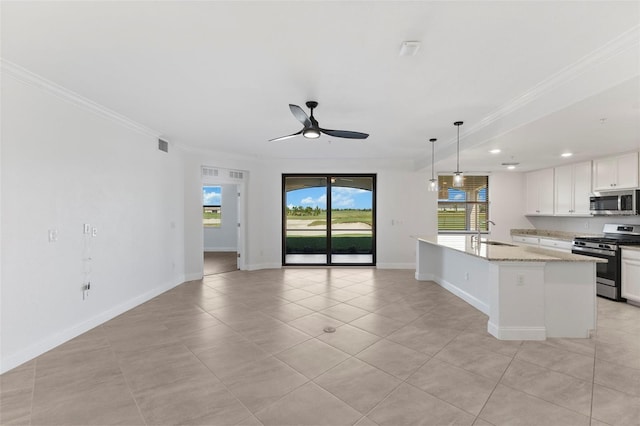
x,y
583,250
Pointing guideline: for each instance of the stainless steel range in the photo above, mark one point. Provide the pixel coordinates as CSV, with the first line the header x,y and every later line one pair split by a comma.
x,y
607,247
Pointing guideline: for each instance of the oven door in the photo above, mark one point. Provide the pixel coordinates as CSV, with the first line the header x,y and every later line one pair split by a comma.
x,y
607,274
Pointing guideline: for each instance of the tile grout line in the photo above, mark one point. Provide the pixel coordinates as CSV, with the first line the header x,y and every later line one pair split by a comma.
x,y
126,381
593,381
33,390
223,384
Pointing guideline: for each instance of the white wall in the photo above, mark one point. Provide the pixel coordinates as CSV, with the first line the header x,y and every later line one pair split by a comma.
x,y
64,165
404,207
224,238
507,204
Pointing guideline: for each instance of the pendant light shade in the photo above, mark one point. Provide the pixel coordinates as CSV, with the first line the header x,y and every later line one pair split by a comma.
x,y
433,182
458,179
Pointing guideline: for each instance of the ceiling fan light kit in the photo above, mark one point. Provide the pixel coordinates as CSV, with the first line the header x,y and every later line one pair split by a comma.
x,y
312,129
458,178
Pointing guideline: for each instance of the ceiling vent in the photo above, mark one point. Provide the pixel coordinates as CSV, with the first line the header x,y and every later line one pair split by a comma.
x,y
209,171
163,145
236,175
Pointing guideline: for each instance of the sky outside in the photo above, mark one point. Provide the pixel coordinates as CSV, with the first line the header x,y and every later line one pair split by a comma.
x,y
211,195
342,198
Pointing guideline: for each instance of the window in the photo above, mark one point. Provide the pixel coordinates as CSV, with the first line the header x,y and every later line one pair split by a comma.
x,y
328,219
464,208
212,206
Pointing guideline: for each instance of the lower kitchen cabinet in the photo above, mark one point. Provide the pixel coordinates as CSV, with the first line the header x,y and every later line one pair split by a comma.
x,y
525,241
553,244
631,275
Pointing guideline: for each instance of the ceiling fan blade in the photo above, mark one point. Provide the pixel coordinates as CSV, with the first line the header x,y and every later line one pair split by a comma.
x,y
300,115
281,138
345,134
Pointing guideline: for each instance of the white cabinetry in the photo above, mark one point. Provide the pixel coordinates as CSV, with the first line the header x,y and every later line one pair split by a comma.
x,y
553,244
631,275
540,192
619,172
572,189
525,241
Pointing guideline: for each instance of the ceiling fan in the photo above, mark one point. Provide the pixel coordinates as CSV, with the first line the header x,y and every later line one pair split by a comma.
x,y
312,129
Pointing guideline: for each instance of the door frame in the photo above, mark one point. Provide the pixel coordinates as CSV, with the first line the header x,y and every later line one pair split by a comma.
x,y
242,202
328,253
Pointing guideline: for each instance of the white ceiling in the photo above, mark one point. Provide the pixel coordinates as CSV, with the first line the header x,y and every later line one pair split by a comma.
x,y
532,78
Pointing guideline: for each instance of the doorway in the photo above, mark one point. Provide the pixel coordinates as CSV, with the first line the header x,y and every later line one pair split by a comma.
x,y
223,206
328,219
220,231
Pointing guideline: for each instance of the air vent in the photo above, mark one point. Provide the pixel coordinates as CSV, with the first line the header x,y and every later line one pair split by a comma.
x,y
208,171
163,145
235,175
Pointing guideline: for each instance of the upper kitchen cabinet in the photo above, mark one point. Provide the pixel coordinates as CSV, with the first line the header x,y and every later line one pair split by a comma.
x,y
619,172
572,189
540,192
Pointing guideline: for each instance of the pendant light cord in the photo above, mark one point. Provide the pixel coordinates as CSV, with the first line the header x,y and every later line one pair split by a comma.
x,y
433,153
458,124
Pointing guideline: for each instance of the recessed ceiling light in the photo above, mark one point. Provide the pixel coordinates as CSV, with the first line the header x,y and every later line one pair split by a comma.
x,y
409,48
566,154
511,167
495,151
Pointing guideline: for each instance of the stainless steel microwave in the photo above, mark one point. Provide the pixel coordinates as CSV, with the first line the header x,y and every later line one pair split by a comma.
x,y
616,203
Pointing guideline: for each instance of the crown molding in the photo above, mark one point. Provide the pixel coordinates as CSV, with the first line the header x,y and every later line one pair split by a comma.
x,y
25,76
626,41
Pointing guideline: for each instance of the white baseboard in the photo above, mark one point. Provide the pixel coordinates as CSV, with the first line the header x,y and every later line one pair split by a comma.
x,y
259,266
194,276
396,265
424,277
470,299
517,333
219,249
51,342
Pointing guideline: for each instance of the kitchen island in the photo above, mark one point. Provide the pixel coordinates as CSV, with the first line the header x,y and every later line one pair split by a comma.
x,y
528,293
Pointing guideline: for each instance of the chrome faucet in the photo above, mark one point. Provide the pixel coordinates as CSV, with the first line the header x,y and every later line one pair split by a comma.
x,y
478,234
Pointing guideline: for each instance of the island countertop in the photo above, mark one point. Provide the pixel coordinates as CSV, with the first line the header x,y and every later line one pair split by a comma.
x,y
504,253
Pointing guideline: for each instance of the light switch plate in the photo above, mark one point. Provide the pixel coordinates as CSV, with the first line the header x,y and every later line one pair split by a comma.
x,y
87,228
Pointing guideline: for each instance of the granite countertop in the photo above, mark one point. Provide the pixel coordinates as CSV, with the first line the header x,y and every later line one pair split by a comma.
x,y
554,235
505,253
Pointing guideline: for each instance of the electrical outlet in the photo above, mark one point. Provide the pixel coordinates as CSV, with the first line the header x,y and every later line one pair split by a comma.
x,y
520,280
94,232
53,235
466,276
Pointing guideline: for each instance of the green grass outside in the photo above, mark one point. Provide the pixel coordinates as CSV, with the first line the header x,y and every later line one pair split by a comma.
x,y
456,220
339,216
352,244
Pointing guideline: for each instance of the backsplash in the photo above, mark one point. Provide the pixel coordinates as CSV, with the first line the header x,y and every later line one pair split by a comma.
x,y
588,225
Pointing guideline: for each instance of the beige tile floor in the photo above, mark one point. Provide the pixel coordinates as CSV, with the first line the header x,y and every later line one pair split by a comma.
x,y
248,348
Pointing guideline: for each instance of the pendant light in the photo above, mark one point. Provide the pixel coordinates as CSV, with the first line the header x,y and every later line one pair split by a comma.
x,y
457,176
433,182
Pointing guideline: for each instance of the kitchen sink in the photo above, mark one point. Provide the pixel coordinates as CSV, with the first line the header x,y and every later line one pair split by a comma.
x,y
497,243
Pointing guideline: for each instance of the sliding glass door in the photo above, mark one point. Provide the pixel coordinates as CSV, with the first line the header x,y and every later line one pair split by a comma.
x,y
328,219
